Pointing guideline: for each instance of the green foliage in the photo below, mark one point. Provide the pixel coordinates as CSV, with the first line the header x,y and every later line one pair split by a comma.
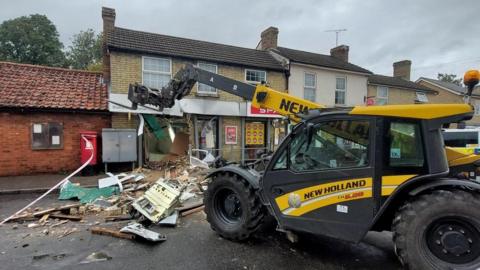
x,y
451,78
31,39
86,50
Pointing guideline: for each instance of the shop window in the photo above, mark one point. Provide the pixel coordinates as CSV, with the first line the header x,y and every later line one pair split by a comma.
x,y
405,145
255,140
207,130
47,136
334,144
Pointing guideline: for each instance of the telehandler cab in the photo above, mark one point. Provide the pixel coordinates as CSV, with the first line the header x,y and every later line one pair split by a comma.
x,y
342,172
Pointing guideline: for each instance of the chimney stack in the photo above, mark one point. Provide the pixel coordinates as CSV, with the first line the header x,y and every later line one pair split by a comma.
x,y
108,16
402,69
340,52
269,38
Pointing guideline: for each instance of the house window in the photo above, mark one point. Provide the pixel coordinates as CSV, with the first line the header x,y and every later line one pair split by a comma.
x,y
203,88
255,76
340,90
309,86
421,97
382,95
156,72
47,136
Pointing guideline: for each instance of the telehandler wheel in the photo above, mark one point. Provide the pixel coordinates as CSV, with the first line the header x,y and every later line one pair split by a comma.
x,y
439,230
233,210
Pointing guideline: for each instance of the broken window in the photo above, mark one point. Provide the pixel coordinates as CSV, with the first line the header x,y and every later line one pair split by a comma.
x,y
47,136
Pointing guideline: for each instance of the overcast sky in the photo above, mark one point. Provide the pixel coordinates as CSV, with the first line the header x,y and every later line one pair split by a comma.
x,y
438,36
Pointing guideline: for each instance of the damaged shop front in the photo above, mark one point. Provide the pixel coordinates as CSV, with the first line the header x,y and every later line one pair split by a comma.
x,y
207,128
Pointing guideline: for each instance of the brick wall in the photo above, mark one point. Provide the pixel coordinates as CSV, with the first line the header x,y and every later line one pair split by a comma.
x,y
17,156
397,95
127,68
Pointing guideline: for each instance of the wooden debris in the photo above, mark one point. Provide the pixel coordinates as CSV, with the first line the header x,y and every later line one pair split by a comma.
x,y
44,219
61,216
110,232
34,214
194,210
67,232
118,218
59,223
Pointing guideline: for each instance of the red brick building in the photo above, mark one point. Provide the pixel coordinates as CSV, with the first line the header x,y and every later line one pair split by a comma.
x,y
42,112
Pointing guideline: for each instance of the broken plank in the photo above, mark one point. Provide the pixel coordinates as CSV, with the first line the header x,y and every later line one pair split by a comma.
x,y
34,214
61,216
118,218
194,210
59,223
110,232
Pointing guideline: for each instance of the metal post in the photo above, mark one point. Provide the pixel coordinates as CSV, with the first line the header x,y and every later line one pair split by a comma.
x,y
242,144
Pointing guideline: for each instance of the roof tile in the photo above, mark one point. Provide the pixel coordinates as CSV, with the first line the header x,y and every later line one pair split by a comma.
x,y
138,41
319,60
30,86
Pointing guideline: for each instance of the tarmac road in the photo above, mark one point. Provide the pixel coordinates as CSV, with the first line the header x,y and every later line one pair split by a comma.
x,y
191,245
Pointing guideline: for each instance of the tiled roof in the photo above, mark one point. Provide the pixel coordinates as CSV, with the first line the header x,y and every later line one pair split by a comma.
x,y
451,86
397,82
29,86
143,42
321,60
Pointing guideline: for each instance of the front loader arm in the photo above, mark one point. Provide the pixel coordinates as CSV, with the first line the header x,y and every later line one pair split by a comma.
x,y
183,82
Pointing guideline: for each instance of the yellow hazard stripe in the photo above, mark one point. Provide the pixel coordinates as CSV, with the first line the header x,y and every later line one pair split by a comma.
x,y
391,182
282,201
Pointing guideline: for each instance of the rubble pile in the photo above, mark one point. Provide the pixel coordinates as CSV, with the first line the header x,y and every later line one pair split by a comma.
x,y
159,194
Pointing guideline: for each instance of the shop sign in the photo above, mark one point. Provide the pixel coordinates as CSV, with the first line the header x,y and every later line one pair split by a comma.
x,y
230,134
254,111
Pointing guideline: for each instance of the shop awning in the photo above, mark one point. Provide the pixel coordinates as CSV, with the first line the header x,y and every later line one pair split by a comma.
x,y
212,107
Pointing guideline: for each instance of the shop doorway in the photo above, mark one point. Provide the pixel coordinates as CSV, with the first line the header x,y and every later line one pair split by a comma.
x,y
206,129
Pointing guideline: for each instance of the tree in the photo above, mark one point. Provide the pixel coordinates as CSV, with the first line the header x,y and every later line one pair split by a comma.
x,y
86,50
31,39
451,78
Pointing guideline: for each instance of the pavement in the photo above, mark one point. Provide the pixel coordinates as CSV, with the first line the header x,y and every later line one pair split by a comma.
x,y
41,183
191,245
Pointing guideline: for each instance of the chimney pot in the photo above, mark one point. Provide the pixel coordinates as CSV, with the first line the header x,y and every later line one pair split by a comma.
x,y
340,52
402,69
269,38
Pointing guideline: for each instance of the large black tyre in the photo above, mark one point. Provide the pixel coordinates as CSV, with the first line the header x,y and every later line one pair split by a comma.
x,y
232,207
439,230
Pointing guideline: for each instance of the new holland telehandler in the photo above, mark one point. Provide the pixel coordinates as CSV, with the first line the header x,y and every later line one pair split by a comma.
x,y
342,172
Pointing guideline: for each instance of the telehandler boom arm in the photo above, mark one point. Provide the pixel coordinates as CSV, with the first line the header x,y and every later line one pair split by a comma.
x,y
181,85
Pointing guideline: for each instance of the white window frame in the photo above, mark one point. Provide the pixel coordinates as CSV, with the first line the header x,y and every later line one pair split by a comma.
x,y
341,90
198,84
420,93
310,87
256,70
156,72
380,97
